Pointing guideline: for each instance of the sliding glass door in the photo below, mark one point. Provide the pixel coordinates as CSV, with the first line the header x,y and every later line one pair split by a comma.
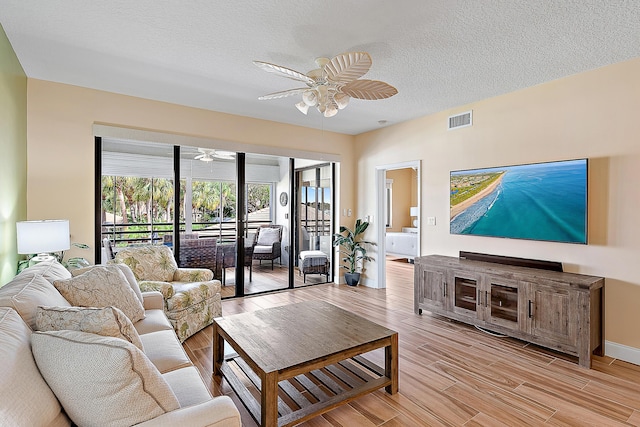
x,y
247,217
314,223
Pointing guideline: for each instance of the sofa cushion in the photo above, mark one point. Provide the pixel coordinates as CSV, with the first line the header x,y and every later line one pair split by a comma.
x,y
105,321
22,386
102,287
165,351
149,262
154,320
131,278
26,292
187,385
116,386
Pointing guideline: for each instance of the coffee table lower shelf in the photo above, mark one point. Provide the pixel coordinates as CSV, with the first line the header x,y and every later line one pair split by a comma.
x,y
307,395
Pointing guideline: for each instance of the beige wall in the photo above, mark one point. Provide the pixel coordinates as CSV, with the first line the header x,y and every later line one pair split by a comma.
x,y
594,115
13,161
402,197
61,145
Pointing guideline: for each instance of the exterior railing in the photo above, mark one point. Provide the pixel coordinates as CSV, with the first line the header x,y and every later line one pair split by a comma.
x,y
136,234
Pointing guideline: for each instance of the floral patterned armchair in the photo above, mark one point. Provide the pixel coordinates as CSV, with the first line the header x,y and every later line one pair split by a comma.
x,y
191,297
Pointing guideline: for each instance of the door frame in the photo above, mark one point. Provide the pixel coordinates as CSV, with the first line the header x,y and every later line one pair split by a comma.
x,y
381,173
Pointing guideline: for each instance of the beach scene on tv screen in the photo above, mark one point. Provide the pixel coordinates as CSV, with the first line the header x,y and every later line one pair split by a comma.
x,y
543,201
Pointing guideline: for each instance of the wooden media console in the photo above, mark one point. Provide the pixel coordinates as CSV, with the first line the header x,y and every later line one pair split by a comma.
x,y
557,310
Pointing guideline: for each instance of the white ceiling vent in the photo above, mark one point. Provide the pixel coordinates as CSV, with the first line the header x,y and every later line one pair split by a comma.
x,y
461,120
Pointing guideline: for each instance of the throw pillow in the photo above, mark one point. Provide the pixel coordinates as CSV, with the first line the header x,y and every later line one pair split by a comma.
x,y
268,236
26,399
154,263
131,278
26,292
50,270
105,321
101,380
102,287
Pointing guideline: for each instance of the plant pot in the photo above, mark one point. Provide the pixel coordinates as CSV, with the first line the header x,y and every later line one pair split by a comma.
x,y
352,279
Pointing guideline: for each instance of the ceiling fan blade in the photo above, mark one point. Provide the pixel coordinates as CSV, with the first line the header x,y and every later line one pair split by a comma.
x,y
347,67
224,155
369,89
284,71
283,94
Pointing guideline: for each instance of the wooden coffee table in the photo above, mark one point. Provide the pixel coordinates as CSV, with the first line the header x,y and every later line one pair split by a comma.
x,y
303,359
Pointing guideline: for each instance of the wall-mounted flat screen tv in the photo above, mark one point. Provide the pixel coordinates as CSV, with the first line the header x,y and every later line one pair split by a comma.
x,y
542,201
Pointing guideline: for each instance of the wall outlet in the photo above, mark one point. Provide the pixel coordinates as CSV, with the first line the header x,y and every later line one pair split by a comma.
x,y
348,212
431,220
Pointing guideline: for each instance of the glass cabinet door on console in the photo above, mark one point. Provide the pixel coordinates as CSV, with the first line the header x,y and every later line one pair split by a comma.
x,y
502,301
466,293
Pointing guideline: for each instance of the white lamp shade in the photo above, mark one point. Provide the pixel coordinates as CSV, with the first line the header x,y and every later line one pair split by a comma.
x,y
46,236
414,211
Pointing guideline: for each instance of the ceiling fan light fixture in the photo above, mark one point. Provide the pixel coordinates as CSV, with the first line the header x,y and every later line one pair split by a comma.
x,y
342,100
330,110
303,107
310,97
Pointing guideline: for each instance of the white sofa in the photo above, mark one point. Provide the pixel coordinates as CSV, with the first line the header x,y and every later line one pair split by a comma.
x,y
27,385
402,244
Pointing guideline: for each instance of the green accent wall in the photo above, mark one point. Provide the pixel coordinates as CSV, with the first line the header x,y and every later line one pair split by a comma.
x,y
13,155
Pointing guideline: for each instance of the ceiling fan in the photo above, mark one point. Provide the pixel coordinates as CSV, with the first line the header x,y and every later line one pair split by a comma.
x,y
332,84
209,154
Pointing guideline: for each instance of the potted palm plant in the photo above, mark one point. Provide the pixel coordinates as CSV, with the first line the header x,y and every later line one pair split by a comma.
x,y
353,250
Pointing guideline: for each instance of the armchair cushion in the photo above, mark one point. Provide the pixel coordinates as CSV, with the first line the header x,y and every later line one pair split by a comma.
x,y
155,263
260,249
101,287
165,288
105,321
192,275
188,294
118,385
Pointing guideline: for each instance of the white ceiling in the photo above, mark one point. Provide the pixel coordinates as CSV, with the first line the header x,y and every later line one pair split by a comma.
x,y
439,54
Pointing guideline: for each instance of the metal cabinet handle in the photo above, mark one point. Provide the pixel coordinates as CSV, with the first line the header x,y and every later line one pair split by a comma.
x,y
530,309
444,290
486,298
479,299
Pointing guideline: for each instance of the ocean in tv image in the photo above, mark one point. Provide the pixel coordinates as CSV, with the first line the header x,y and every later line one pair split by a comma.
x,y
543,201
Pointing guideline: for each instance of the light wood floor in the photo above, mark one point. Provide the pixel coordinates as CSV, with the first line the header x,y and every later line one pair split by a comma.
x,y
265,279
451,374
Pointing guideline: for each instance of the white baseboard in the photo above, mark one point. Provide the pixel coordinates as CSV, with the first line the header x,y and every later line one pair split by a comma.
x,y
622,352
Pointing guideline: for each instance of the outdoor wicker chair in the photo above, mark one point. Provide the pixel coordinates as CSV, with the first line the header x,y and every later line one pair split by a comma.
x,y
268,243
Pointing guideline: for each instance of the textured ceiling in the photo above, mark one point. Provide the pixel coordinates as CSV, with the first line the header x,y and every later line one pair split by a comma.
x,y
438,54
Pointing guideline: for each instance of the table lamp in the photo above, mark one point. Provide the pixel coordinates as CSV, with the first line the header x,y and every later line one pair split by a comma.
x,y
414,212
42,238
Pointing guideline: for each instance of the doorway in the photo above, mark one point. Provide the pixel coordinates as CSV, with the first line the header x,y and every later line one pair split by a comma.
x,y
398,204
